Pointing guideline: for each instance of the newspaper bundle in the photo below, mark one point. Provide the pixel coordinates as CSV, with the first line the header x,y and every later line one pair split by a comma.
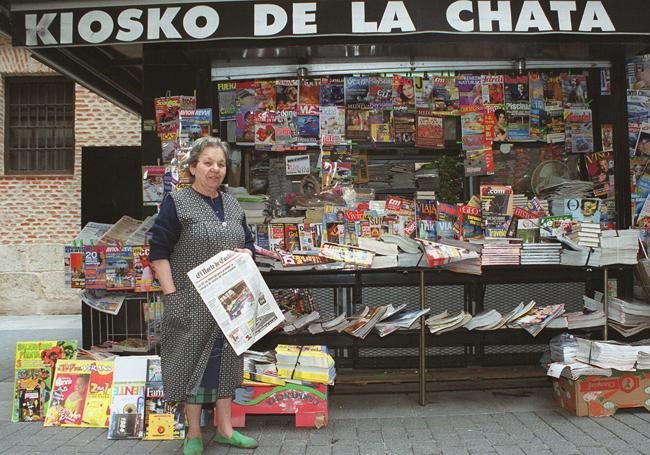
x,y
238,298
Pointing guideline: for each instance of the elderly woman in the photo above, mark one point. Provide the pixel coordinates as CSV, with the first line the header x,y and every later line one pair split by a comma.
x,y
194,224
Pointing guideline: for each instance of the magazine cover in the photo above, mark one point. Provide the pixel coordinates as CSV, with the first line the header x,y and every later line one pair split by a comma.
x,y
496,199
119,268
380,123
422,93
285,129
77,259
291,237
264,129
448,224
429,130
552,91
518,115
536,125
607,137
332,91
246,95
265,95
574,90
600,167
163,420
554,226
403,92
380,92
426,214
286,94
479,162
144,276
34,370
471,221
227,92
308,129
127,404
170,147
492,89
95,267
194,123
332,124
245,126
152,185
528,230
357,128
306,237
553,124
472,128
495,123
241,303
404,125
642,147
587,210
578,131
81,394
515,88
444,95
276,237
166,110
337,166
309,97
356,92
470,92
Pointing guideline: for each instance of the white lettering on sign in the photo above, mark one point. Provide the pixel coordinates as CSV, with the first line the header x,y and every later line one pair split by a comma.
x,y
501,15
101,21
454,12
130,28
191,24
157,23
563,10
594,17
532,16
395,16
263,12
35,29
304,18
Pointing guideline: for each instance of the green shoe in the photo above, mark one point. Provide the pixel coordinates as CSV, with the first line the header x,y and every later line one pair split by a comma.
x,y
193,446
237,440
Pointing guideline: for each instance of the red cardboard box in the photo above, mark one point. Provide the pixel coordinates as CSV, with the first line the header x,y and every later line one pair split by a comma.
x,y
597,396
308,403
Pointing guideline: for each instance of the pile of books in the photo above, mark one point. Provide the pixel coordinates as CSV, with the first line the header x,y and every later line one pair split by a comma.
x,y
540,253
501,252
305,363
586,234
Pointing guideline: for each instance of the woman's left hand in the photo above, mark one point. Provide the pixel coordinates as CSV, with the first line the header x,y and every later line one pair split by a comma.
x,y
244,250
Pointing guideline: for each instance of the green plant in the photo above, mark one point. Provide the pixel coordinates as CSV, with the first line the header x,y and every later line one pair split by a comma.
x,y
450,172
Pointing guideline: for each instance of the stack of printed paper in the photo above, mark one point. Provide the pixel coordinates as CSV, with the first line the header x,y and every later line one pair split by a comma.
x,y
305,363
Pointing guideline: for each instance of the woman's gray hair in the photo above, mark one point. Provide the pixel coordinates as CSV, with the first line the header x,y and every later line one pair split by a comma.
x,y
203,143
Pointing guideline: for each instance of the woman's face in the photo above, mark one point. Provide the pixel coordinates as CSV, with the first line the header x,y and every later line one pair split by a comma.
x,y
210,169
407,89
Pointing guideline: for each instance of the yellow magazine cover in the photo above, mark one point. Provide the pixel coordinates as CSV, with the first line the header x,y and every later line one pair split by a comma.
x,y
160,427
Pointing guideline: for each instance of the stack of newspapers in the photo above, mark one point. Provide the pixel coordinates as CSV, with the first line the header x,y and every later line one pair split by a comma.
x,y
305,363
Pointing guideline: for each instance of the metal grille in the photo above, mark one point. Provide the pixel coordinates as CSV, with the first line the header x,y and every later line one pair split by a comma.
x,y
504,297
39,125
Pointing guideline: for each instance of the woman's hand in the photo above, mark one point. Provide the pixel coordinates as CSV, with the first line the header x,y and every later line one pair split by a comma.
x,y
243,250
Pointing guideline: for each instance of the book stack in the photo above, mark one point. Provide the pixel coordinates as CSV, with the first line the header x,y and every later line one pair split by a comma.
x,y
586,234
519,200
261,367
305,363
540,253
501,252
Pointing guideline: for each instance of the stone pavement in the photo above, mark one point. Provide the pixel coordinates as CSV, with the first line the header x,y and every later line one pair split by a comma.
x,y
481,422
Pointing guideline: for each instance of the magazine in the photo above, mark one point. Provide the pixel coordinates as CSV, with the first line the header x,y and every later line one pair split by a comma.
x,y
81,394
518,115
227,101
34,371
579,137
380,92
380,123
162,420
555,226
470,92
95,267
535,320
332,124
286,94
403,92
127,403
574,90
496,199
144,276
346,254
356,124
444,95
308,97
479,162
472,128
194,124
515,88
332,91
429,130
600,167
426,213
119,268
238,298
73,261
587,209
265,95
264,129
492,89
404,125
356,92
103,301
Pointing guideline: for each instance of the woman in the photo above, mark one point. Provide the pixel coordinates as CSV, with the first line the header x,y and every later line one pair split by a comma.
x,y
194,224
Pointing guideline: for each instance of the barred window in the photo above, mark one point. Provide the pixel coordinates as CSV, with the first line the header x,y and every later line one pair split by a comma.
x,y
39,125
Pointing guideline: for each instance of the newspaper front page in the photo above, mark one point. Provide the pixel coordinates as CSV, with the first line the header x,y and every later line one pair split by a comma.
x,y
238,298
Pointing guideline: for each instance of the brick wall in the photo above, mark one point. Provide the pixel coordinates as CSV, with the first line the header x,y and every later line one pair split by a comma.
x,y
40,213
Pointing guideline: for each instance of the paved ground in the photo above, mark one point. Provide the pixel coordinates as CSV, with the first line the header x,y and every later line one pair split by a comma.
x,y
502,422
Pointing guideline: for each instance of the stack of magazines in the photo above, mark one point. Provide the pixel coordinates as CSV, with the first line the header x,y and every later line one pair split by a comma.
x,y
619,247
609,354
501,252
305,363
534,321
540,253
443,322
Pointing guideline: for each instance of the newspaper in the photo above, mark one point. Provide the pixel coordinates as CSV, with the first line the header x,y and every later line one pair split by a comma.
x,y
120,231
238,298
106,302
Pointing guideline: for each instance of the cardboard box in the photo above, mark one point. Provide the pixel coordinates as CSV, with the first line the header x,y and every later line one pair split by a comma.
x,y
596,396
308,403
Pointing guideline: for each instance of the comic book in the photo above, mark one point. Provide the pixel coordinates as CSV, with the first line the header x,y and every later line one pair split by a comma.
x,y
227,92
380,92
429,130
470,92
332,91
81,394
34,371
404,125
163,420
600,167
286,94
309,97
95,266
127,404
119,268
444,95
356,92
144,276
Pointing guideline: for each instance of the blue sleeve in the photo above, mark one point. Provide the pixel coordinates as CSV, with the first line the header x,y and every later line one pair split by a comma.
x,y
165,232
250,238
